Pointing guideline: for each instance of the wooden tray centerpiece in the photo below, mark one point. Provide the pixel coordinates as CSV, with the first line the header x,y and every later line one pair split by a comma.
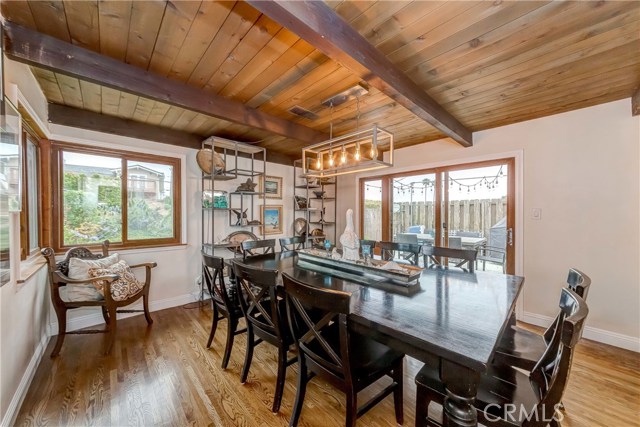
x,y
405,275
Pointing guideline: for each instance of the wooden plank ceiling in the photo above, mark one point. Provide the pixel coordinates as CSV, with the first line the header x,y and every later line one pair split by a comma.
x,y
487,63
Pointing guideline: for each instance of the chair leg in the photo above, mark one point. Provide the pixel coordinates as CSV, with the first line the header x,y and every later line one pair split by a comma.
x,y
105,314
422,406
112,329
282,373
352,408
145,305
300,391
61,313
214,325
398,393
248,356
231,328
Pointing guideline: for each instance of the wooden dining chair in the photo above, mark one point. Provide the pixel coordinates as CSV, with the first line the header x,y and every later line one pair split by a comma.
x,y
464,258
119,288
522,348
291,243
535,395
266,318
407,252
319,320
224,302
258,247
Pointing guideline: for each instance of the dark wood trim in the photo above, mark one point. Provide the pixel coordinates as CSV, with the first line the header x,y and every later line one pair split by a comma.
x,y
40,50
57,206
84,119
46,194
318,24
635,103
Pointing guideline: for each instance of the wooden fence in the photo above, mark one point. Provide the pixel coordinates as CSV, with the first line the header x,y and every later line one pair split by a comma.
x,y
468,215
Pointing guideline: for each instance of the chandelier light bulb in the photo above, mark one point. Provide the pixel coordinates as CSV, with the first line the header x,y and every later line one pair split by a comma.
x,y
343,156
319,162
357,154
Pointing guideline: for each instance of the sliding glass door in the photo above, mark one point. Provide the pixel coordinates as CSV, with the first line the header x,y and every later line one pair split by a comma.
x,y
470,206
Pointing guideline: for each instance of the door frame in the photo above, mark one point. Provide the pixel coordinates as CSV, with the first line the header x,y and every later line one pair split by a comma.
x,y
514,199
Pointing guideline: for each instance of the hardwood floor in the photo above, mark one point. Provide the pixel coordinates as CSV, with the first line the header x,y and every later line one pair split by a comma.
x,y
165,375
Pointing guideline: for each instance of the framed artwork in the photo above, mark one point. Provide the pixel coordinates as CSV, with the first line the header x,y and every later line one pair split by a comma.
x,y
271,186
271,217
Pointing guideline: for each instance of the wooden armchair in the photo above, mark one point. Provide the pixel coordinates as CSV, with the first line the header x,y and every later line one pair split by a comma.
x,y
58,280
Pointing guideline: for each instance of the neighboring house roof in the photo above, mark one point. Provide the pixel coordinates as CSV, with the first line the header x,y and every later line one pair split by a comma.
x,y
146,169
90,170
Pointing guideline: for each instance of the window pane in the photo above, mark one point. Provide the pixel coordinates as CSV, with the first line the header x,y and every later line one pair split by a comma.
x,y
372,215
92,202
150,201
413,208
32,193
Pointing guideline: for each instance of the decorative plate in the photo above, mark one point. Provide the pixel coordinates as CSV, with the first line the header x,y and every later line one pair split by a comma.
x,y
300,226
239,237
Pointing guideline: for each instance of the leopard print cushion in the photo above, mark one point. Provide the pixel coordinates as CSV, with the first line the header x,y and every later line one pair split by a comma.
x,y
124,287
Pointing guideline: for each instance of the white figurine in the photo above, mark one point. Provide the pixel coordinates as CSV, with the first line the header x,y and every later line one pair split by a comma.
x,y
349,240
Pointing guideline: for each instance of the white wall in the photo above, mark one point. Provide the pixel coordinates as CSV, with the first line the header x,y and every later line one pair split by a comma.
x,y
582,169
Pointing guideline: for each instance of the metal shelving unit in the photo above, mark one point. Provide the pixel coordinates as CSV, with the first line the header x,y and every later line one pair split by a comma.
x,y
242,161
320,212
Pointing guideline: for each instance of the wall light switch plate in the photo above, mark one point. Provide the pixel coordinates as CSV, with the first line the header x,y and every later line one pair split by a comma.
x,y
536,213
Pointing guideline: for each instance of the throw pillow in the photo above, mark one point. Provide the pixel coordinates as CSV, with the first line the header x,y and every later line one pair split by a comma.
x,y
79,270
124,287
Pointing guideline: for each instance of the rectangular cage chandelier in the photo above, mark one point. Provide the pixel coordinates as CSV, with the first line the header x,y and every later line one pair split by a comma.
x,y
359,151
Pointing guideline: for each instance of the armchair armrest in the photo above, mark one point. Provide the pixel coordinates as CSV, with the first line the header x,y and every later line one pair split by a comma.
x,y
62,278
145,264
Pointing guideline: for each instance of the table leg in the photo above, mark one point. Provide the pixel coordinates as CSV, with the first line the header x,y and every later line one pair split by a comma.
x,y
461,384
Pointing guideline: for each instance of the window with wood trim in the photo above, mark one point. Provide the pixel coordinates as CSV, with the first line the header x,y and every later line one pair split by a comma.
x,y
131,199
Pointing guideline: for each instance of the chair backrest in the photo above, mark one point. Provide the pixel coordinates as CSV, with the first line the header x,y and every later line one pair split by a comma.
x,y
455,242
407,238
408,252
76,252
465,258
258,247
579,282
549,376
291,243
259,300
318,320
212,274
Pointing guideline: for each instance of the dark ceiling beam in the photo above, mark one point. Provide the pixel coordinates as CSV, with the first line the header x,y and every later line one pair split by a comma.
x,y
635,103
84,119
37,49
320,26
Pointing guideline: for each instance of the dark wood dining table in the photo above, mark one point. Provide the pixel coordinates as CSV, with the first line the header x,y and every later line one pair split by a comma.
x,y
453,318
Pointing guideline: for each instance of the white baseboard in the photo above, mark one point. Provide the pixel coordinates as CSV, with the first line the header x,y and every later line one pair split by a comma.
x,y
596,334
95,318
18,397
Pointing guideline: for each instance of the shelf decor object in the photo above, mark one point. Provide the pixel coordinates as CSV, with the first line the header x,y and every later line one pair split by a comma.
x,y
270,187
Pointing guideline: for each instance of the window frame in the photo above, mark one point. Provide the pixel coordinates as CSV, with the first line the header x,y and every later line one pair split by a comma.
x,y
25,251
57,150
